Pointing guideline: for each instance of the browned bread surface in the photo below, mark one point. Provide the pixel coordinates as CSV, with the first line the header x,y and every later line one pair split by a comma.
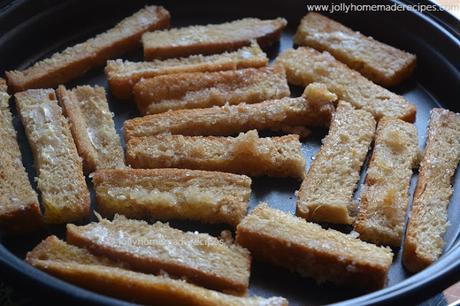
x,y
207,196
428,220
211,38
306,248
385,195
379,62
207,89
76,60
63,189
92,127
103,275
198,258
326,194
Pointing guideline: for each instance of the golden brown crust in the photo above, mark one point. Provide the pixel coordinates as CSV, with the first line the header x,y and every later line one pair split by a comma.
x,y
379,62
306,65
207,89
123,75
200,258
64,193
76,60
326,194
385,196
212,38
105,276
246,154
92,127
425,231
231,119
207,196
325,255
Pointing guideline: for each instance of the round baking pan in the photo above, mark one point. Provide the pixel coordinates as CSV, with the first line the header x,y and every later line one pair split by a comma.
x,y
32,30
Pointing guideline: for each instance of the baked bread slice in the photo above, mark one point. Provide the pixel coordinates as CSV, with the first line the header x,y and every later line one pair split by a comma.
x,y
428,220
76,60
105,276
206,196
123,75
211,38
63,189
198,258
314,110
92,127
207,89
246,154
379,62
385,194
19,208
285,240
306,65
326,194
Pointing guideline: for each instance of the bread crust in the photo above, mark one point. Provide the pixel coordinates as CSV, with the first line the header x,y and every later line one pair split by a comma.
x,y
92,127
164,194
424,241
105,276
207,89
306,65
379,62
211,38
61,181
74,61
385,195
123,75
199,258
246,154
326,255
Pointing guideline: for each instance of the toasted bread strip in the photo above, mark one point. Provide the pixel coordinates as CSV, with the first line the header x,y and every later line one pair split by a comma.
x,y
308,249
76,60
384,196
315,110
207,89
123,75
105,276
19,208
428,220
246,154
60,175
92,127
379,62
211,38
326,194
199,258
210,197
306,65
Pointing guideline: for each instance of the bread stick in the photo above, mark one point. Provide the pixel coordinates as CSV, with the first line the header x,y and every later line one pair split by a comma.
x,y
231,119
63,189
207,89
74,61
385,195
92,127
326,194
199,258
246,154
105,276
428,220
206,196
379,62
211,38
306,248
306,65
123,75
19,208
